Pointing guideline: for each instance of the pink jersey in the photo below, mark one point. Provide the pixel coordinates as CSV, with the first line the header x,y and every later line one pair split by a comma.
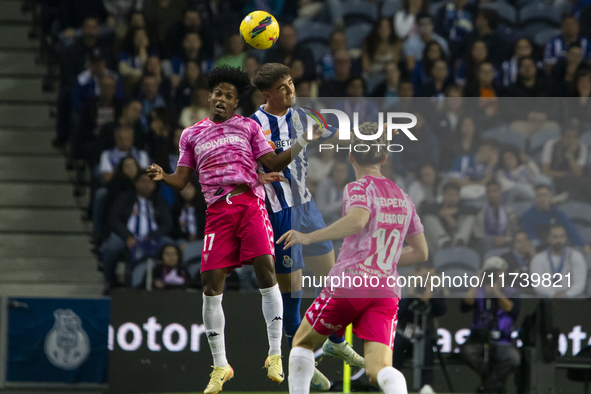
x,y
224,154
375,250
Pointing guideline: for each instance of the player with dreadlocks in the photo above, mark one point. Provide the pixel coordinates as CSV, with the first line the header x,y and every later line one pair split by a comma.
x,y
224,150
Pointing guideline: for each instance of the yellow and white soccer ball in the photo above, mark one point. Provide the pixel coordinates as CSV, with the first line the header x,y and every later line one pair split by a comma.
x,y
259,29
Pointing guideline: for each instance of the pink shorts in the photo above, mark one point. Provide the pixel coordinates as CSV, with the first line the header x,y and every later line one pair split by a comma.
x,y
236,231
373,319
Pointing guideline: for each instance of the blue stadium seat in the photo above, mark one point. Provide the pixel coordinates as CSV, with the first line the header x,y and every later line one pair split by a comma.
x,y
507,13
138,275
496,252
539,12
390,7
537,141
359,11
357,34
520,207
542,37
314,32
506,136
459,257
578,212
532,29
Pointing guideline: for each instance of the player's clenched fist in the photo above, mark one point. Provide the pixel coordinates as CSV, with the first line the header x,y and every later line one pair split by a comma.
x,y
155,172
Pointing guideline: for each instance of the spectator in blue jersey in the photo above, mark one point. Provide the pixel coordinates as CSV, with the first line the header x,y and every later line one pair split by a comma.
x,y
537,220
124,147
139,222
478,168
337,42
87,85
414,45
558,46
188,217
495,223
495,312
291,204
150,97
455,21
191,53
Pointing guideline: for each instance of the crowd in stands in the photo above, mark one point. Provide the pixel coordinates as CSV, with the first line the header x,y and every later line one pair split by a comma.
x,y
490,160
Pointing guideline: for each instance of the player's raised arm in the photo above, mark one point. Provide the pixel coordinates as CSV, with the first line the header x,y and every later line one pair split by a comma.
x,y
278,162
178,180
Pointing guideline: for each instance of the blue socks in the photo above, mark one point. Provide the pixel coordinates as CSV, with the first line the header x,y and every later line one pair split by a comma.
x,y
291,313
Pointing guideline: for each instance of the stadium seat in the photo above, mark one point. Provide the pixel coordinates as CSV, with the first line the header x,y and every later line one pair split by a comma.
x,y
523,3
496,252
459,257
537,141
357,34
531,30
542,37
578,212
506,136
507,13
390,7
539,12
520,207
314,32
138,275
359,11
435,7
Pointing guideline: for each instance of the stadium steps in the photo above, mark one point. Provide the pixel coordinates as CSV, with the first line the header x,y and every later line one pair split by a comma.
x,y
44,246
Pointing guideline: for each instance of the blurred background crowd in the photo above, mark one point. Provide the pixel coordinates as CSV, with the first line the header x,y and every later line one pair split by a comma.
x,y
489,173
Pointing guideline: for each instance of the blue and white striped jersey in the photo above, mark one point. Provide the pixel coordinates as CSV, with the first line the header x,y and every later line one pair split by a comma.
x,y
281,133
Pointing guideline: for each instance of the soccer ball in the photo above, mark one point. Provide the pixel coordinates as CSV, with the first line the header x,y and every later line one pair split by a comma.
x,y
259,29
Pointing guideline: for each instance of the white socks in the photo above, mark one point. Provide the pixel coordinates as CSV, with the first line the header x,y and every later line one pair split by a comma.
x,y
214,321
273,313
301,370
391,381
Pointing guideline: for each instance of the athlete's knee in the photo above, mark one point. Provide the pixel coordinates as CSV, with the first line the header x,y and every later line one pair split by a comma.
x,y
284,281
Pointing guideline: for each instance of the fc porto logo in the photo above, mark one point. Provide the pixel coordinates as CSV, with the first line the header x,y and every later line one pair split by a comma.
x,y
287,261
67,345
